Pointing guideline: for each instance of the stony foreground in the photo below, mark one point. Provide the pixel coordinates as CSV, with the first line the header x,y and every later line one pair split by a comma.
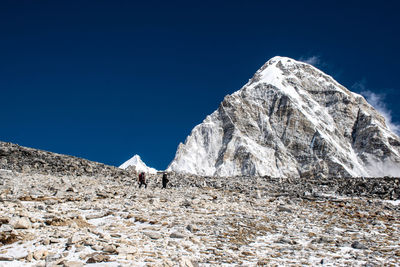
x,y
75,221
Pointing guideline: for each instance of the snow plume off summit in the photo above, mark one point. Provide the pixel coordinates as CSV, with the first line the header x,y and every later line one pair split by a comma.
x,y
291,120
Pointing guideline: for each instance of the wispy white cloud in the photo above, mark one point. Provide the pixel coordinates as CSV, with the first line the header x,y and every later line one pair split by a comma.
x,y
313,60
378,102
379,168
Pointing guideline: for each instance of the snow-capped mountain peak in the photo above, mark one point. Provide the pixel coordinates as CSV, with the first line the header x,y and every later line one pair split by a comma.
x,y
291,120
137,165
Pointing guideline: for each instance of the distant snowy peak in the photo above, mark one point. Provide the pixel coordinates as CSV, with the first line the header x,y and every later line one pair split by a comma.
x,y
291,120
135,163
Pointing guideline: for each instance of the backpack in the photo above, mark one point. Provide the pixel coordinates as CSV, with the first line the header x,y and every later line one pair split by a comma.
x,y
141,177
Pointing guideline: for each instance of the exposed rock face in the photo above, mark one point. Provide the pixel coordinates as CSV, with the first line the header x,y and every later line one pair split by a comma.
x,y
23,159
291,120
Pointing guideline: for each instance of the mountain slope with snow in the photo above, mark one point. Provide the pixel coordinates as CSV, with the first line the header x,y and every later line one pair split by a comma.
x,y
291,120
135,163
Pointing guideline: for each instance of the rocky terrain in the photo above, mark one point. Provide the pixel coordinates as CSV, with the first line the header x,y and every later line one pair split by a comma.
x,y
30,160
291,120
64,220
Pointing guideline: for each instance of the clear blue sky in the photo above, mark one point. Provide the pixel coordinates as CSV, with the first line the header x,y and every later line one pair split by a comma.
x,y
105,80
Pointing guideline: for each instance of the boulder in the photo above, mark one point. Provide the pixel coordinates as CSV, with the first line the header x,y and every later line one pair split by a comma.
x,y
20,223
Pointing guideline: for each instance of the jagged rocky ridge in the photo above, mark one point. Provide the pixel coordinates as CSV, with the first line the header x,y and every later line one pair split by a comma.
x,y
291,120
28,160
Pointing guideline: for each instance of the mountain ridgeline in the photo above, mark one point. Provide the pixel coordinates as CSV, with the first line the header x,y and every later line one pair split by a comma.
x,y
29,160
291,120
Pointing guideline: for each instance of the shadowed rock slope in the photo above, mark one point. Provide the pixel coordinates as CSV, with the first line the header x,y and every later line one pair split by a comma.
x,y
28,160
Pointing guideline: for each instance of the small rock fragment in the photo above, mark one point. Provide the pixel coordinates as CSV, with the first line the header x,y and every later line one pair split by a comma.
x,y
98,258
192,228
20,223
72,264
110,249
153,235
176,235
40,254
284,209
75,238
358,245
4,220
6,258
186,262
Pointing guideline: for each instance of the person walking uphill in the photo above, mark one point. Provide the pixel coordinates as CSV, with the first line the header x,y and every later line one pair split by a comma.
x,y
164,180
142,180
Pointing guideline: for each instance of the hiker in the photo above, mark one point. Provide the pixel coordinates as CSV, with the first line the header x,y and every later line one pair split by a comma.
x,y
164,180
142,180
